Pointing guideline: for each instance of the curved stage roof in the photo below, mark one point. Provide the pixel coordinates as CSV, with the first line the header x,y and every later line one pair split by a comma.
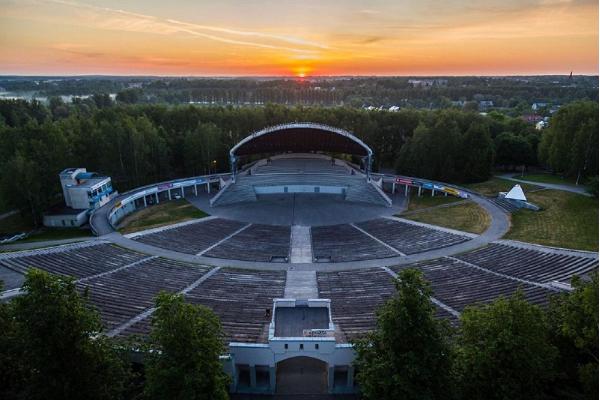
x,y
301,137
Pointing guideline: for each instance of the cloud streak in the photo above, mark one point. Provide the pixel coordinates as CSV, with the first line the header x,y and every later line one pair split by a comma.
x,y
116,19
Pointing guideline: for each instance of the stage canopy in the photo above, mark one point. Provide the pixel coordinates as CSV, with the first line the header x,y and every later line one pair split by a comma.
x,y
301,137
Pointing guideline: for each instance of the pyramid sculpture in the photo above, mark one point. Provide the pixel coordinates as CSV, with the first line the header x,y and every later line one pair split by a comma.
x,y
516,193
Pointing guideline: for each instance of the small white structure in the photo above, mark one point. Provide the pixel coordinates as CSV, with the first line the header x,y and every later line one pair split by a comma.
x,y
516,193
517,198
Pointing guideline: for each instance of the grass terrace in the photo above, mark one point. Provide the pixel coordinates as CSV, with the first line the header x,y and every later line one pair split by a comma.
x,y
162,214
567,220
426,201
467,217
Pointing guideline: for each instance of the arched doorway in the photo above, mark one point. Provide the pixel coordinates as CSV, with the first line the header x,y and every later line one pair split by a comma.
x,y
301,375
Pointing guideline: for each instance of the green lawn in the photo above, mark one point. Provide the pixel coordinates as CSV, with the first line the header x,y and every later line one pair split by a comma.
x,y
493,186
567,220
546,178
165,213
426,201
467,217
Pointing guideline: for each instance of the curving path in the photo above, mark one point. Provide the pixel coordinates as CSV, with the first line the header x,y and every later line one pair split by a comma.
x,y
556,186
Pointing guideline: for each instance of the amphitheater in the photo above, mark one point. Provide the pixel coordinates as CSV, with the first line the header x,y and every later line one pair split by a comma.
x,y
299,250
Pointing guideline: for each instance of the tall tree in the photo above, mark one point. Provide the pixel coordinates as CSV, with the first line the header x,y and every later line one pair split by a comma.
x,y
408,354
570,145
574,327
504,351
186,341
56,344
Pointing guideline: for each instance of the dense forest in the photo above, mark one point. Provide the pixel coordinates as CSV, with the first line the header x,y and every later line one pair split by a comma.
x,y
140,144
512,95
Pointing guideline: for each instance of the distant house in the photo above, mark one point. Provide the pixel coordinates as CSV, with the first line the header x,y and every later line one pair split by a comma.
x,y
538,106
394,108
532,118
427,82
485,105
541,125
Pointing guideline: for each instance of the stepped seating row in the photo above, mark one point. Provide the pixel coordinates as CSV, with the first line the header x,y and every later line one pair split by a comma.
x,y
504,204
300,165
355,297
78,262
409,238
256,243
530,264
192,238
124,294
458,285
239,298
339,243
356,186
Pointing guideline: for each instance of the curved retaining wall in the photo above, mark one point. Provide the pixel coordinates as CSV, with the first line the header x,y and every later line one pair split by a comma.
x,y
124,204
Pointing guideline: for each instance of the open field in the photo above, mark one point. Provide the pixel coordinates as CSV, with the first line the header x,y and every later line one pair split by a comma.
x,y
468,217
492,186
166,213
426,201
567,220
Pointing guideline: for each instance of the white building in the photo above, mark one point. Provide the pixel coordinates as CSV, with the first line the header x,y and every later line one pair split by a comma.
x,y
302,336
83,191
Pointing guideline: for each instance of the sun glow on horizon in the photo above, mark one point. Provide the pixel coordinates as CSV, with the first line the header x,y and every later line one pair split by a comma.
x,y
326,37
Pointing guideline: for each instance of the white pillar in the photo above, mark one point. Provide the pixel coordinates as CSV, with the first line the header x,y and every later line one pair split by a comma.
x,y
419,192
145,204
169,190
208,187
182,192
393,187
196,190
405,190
432,192
156,197
445,194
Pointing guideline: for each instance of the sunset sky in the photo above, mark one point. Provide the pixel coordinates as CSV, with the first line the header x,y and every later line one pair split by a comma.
x,y
300,37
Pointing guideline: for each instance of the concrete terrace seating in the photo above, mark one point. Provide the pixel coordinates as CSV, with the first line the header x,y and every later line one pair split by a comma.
x,y
409,238
357,188
504,204
124,294
192,238
355,297
78,261
301,165
256,243
530,264
239,298
339,243
458,285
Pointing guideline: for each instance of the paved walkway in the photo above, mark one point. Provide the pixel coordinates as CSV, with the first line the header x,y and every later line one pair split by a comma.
x,y
557,186
300,245
301,285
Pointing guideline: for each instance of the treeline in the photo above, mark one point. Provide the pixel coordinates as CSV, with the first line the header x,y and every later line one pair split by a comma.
x,y
53,346
509,349
516,93
141,144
